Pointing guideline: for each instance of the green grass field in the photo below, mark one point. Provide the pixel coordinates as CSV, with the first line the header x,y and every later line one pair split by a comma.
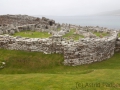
x,y
31,34
59,28
72,35
119,34
100,34
38,71
101,79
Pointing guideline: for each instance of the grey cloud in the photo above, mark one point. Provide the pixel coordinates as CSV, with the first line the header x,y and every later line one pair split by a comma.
x,y
57,7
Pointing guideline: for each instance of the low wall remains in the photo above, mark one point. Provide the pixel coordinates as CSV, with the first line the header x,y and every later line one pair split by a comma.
x,y
89,49
117,46
84,51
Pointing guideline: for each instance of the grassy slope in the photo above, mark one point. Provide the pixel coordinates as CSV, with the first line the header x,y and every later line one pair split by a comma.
x,y
33,34
52,75
28,62
74,36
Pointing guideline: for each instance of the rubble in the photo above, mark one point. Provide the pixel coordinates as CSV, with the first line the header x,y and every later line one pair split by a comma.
x,y
83,51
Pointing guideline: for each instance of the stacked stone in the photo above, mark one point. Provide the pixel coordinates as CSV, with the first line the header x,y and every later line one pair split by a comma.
x,y
84,51
92,29
10,29
89,50
57,45
19,20
117,47
48,45
9,24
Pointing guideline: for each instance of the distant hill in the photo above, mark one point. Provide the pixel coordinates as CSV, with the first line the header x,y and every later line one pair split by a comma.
x,y
110,13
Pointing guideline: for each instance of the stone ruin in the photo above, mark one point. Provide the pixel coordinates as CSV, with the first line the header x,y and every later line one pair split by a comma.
x,y
83,51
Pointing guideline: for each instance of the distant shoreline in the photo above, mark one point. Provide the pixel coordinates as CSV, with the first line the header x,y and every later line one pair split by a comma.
x,y
111,22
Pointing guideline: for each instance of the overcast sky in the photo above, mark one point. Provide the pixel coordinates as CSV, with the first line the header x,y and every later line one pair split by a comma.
x,y
57,7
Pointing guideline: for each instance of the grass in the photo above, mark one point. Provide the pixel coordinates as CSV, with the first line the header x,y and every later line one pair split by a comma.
x,y
101,80
31,34
72,35
59,28
119,34
100,34
38,71
28,62
31,62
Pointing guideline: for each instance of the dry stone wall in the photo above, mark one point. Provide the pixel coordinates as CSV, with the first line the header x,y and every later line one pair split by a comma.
x,y
90,50
84,51
9,24
18,20
47,45
117,47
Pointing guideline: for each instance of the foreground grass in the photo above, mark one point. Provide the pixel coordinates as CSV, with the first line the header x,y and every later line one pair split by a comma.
x,y
72,35
31,34
101,79
37,71
28,62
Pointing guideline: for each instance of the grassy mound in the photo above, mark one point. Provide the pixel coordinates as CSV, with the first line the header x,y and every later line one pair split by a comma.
x,y
31,34
72,35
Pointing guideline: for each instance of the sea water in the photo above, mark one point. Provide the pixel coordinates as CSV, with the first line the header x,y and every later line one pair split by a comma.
x,y
112,22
